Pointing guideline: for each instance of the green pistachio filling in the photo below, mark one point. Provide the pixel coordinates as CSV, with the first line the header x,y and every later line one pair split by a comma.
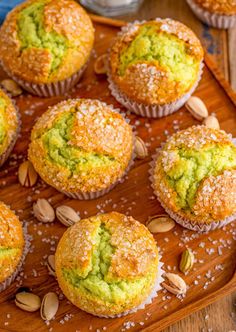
x,y
32,33
192,166
163,49
96,283
7,253
3,129
75,159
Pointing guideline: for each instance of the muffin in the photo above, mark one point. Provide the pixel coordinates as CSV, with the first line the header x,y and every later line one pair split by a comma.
x,y
11,246
9,126
216,13
45,45
194,178
108,265
81,147
154,66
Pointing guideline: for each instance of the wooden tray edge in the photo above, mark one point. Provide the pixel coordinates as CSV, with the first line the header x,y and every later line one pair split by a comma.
x,y
193,307
230,286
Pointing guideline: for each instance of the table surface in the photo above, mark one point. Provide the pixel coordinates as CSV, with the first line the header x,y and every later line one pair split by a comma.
x,y
221,45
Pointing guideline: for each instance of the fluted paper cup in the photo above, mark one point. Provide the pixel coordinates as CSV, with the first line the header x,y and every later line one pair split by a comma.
x,y
4,156
156,288
151,111
185,222
6,283
50,89
212,19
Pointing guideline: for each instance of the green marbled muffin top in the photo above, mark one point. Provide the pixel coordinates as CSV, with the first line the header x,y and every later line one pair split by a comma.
x,y
81,146
9,122
155,62
107,264
44,41
193,173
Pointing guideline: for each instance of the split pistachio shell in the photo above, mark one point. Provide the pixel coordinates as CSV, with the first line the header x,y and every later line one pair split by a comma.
x,y
12,87
43,211
140,148
212,122
174,284
100,65
51,265
66,215
187,261
27,175
197,108
28,301
49,306
160,224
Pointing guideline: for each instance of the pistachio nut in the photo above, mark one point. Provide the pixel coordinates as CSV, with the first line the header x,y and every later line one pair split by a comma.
x,y
27,175
197,108
140,148
12,87
27,301
211,122
66,215
51,265
160,224
49,306
43,211
100,65
174,284
187,261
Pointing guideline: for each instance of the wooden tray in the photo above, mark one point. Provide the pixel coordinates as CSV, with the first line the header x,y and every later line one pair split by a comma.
x,y
214,272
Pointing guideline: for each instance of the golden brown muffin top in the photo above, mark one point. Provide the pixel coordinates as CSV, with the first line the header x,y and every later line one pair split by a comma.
x,y
224,7
81,145
11,242
134,249
194,174
155,62
107,264
44,41
9,121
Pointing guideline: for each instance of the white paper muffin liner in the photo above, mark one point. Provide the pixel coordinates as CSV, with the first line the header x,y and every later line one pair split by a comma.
x,y
96,194
50,89
6,283
185,222
212,19
157,286
151,111
4,156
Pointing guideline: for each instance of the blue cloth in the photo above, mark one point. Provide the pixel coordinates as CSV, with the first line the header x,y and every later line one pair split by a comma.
x,y
6,6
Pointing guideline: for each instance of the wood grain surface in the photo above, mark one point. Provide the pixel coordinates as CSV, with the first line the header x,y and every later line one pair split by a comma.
x,y
221,46
213,274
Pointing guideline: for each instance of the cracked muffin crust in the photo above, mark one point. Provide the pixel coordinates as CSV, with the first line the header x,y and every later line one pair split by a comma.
x,y
9,126
107,264
155,62
11,242
81,145
194,175
223,7
44,41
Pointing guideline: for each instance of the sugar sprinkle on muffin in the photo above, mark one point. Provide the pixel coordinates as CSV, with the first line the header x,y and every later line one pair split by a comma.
x,y
81,147
11,246
154,65
194,178
9,126
216,13
107,265
44,44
